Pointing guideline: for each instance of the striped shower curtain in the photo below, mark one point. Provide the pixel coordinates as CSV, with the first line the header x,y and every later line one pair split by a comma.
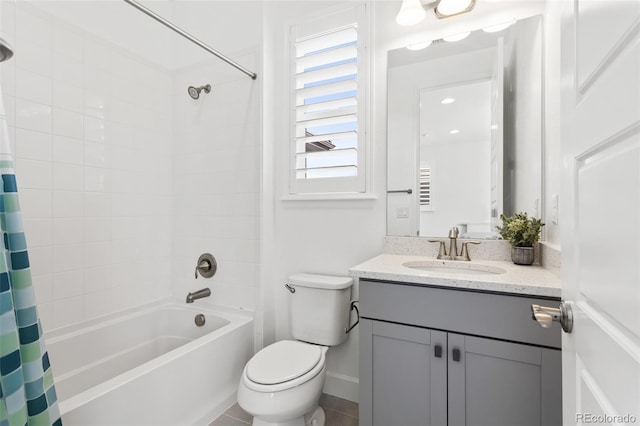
x,y
26,382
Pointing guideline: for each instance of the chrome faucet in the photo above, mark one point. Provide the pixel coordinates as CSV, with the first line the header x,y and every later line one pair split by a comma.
x,y
453,247
205,292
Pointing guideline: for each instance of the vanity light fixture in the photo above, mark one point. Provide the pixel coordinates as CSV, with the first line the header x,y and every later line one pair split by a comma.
x,y
448,8
412,11
447,101
499,27
457,37
420,46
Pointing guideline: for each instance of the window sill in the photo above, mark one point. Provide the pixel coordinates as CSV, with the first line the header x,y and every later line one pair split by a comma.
x,y
329,197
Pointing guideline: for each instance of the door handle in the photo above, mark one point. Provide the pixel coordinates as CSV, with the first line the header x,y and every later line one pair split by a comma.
x,y
437,351
546,316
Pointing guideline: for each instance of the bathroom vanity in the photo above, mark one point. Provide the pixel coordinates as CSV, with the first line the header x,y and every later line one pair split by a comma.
x,y
455,344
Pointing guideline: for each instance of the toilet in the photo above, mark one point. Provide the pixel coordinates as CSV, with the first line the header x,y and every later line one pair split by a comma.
x,y
281,385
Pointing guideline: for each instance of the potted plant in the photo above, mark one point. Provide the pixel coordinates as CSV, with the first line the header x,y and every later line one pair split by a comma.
x,y
522,232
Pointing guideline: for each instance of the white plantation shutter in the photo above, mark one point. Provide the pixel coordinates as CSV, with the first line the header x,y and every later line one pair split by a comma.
x,y
328,70
425,189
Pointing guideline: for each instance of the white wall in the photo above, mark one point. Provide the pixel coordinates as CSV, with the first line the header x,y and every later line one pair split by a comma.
x,y
325,237
552,165
119,23
523,130
91,125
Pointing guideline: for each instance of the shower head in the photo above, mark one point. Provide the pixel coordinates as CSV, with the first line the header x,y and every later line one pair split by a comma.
x,y
5,50
194,92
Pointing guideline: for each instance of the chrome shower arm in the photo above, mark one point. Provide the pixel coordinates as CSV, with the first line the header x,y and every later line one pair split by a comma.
x,y
189,37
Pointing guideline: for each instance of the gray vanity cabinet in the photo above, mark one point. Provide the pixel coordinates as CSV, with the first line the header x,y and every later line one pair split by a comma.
x,y
407,384
503,383
435,356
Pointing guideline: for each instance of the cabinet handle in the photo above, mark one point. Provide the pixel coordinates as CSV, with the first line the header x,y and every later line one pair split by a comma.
x,y
456,354
437,351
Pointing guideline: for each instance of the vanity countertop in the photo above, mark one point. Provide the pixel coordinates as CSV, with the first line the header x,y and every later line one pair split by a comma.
x,y
526,280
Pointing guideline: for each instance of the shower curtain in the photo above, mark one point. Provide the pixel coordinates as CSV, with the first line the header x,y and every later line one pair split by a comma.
x,y
26,382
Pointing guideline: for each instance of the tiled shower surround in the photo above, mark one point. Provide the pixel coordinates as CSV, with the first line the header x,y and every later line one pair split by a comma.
x,y
216,181
118,203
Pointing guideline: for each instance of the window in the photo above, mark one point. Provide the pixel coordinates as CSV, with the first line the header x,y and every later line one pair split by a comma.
x,y
425,189
328,102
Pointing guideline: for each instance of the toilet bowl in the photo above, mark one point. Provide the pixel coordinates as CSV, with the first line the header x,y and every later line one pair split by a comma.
x,y
281,385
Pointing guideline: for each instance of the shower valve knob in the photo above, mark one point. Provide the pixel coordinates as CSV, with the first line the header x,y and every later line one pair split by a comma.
x,y
206,266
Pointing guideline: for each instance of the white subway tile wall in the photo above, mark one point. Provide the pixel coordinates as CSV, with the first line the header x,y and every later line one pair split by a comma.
x,y
216,181
124,180
93,164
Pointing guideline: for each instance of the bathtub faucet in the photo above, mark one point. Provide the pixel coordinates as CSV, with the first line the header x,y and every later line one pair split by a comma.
x,y
205,292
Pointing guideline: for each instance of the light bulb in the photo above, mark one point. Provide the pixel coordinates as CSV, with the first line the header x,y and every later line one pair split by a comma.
x,y
411,12
457,37
419,46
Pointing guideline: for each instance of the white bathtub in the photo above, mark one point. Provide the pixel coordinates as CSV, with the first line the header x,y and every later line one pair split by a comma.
x,y
151,366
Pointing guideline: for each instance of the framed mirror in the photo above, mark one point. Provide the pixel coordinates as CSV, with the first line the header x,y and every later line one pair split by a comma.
x,y
465,132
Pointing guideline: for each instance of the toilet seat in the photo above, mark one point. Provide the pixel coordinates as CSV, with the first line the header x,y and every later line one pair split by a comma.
x,y
283,365
282,362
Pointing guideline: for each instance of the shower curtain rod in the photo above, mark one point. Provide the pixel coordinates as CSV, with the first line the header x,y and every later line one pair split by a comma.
x,y
188,36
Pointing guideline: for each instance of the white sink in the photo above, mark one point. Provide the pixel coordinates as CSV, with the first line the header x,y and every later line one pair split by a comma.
x,y
453,267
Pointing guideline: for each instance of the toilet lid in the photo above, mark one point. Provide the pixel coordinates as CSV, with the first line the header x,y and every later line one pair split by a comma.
x,y
283,361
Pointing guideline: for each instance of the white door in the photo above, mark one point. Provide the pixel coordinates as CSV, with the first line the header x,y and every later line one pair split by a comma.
x,y
600,212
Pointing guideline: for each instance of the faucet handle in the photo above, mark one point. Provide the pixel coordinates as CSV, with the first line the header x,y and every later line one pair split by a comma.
x,y
453,233
442,251
464,252
206,266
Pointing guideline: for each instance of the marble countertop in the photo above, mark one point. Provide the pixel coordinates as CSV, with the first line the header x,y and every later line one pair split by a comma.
x,y
517,279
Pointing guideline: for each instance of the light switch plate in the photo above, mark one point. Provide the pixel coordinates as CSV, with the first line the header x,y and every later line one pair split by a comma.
x,y
402,212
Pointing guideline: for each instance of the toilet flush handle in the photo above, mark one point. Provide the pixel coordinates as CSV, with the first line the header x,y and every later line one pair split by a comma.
x,y
353,307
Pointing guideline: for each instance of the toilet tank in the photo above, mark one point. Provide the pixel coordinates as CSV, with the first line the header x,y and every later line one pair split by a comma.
x,y
319,308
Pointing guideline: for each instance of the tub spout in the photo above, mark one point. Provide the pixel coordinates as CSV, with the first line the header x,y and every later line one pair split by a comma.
x,y
205,292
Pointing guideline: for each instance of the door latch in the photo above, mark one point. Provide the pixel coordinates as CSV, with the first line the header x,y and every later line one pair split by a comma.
x,y
546,316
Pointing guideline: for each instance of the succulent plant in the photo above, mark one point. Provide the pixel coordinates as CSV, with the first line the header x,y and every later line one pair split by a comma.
x,y
520,230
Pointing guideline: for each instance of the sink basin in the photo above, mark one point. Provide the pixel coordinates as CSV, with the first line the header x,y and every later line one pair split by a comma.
x,y
453,267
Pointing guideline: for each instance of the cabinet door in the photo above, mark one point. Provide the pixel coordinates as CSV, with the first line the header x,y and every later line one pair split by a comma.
x,y
495,383
403,378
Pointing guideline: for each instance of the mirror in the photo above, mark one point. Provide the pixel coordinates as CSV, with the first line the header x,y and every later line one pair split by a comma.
x,y
465,132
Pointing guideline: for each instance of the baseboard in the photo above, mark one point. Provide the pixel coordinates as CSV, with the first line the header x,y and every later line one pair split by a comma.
x,y
342,386
212,413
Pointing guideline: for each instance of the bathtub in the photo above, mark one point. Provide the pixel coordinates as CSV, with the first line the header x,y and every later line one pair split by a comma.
x,y
150,366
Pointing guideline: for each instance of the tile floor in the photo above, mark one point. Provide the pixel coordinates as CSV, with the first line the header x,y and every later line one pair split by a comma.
x,y
338,411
